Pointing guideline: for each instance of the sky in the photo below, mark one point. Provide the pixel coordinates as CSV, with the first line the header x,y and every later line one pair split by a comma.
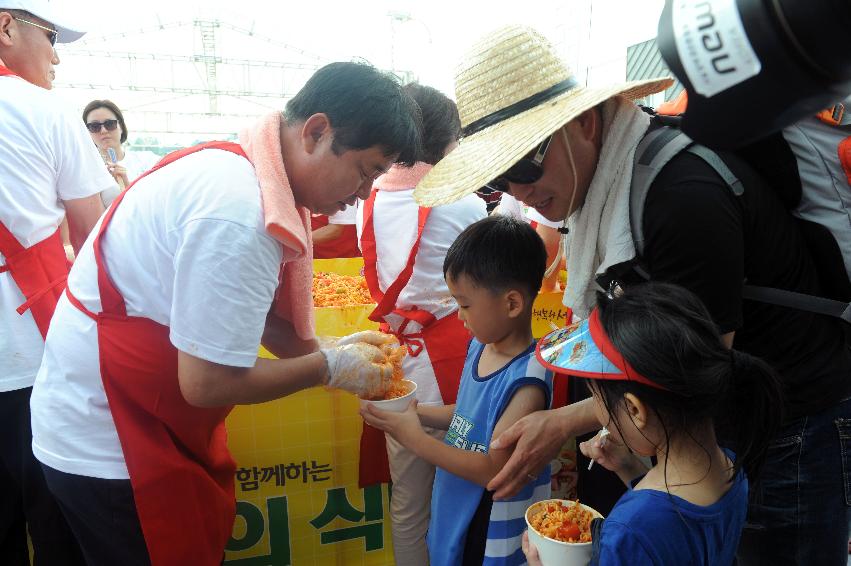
x,y
424,39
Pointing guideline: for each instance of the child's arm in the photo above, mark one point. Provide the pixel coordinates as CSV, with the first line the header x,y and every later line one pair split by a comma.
x,y
476,467
436,416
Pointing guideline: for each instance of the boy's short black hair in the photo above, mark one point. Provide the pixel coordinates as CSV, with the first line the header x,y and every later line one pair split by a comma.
x,y
499,253
366,108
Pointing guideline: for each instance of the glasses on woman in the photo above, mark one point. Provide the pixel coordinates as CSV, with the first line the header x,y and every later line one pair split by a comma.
x,y
524,172
53,36
110,125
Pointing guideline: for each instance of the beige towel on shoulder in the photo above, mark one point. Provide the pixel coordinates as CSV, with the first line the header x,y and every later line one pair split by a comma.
x,y
600,235
285,221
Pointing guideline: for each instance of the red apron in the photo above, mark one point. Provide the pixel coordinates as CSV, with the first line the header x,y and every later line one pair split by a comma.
x,y
446,339
39,271
177,456
346,245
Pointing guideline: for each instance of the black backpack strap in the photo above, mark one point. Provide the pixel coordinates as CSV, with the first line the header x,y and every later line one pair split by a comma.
x,y
654,151
800,301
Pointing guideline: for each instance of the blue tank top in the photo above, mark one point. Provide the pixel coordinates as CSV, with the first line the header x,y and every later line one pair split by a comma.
x,y
481,402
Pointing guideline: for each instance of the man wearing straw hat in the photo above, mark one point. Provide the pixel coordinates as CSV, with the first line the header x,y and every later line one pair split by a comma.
x,y
568,151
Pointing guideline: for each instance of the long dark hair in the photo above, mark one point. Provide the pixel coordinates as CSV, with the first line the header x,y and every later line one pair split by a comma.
x,y
665,332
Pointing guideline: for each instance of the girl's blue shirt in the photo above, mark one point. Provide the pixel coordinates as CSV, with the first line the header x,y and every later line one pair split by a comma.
x,y
647,527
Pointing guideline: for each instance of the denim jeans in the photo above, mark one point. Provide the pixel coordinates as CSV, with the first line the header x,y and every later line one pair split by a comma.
x,y
800,507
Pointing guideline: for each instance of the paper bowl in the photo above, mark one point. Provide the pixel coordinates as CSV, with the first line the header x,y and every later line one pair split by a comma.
x,y
396,405
554,552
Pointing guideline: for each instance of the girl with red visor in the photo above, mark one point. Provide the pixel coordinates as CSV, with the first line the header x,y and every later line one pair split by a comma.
x,y
666,388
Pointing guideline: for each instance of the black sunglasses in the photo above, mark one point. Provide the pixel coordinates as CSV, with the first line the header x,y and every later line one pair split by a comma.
x,y
110,125
527,170
53,35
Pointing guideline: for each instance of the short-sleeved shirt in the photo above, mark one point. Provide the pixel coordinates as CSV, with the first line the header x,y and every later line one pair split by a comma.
x,y
136,163
345,217
700,235
653,528
46,157
187,248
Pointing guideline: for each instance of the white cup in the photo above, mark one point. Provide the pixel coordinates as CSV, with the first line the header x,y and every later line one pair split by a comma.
x,y
397,405
554,552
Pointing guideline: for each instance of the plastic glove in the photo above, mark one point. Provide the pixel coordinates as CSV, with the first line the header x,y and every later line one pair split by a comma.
x,y
359,368
373,337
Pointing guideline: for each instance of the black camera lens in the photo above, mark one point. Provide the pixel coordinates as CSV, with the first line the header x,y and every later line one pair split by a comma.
x,y
752,67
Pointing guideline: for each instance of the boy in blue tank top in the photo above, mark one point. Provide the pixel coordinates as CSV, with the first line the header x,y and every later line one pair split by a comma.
x,y
494,270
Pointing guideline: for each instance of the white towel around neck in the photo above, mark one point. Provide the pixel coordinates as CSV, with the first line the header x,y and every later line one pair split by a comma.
x,y
600,235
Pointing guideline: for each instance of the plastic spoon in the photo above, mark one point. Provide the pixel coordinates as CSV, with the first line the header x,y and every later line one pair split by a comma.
x,y
604,432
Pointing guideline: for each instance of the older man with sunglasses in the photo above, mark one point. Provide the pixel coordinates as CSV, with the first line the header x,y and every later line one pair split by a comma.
x,y
707,222
49,169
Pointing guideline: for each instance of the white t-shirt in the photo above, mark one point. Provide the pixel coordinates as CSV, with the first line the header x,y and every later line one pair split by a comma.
x,y
346,216
186,248
136,163
395,223
46,157
510,206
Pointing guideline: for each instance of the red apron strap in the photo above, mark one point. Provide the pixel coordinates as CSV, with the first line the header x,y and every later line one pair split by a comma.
x,y
7,72
111,300
76,302
9,244
387,300
36,297
368,249
39,271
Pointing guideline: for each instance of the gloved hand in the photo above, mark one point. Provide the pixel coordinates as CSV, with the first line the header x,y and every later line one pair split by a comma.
x,y
359,368
373,337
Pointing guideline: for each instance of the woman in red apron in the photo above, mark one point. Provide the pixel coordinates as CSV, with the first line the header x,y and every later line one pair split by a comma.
x,y
414,304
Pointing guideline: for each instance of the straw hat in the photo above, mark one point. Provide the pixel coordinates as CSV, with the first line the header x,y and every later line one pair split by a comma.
x,y
512,91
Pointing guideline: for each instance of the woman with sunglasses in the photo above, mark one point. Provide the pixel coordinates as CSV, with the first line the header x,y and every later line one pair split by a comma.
x,y
106,125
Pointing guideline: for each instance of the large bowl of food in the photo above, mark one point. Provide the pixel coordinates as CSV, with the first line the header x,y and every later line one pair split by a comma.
x,y
561,531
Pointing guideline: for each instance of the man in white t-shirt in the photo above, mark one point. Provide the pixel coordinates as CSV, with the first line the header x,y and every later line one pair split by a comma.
x,y
48,169
156,337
